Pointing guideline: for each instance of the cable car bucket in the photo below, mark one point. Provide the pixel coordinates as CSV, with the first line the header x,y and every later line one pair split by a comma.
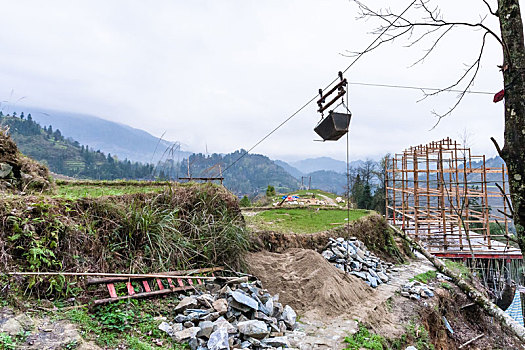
x,y
336,124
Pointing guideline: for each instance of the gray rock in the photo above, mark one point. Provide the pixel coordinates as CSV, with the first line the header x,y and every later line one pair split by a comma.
x,y
383,277
186,334
410,348
180,319
371,280
165,327
188,302
289,316
206,329
188,324
219,340
277,342
361,275
245,300
220,305
253,328
221,322
5,170
193,344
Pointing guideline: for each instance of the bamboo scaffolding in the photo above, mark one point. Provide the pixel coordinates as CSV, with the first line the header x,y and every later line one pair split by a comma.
x,y
446,197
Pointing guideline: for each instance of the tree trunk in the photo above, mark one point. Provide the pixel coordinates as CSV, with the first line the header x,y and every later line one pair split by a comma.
x,y
513,151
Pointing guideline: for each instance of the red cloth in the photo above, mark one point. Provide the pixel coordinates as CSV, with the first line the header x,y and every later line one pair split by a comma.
x,y
499,96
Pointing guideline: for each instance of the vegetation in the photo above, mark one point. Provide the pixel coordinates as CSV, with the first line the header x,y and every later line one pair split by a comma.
x,y
130,323
179,228
68,157
363,339
302,220
425,277
71,191
250,175
245,202
459,269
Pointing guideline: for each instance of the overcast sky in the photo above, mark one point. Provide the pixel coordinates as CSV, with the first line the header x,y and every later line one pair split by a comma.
x,y
224,73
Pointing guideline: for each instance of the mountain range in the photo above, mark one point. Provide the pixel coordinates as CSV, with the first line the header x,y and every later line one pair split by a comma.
x,y
126,143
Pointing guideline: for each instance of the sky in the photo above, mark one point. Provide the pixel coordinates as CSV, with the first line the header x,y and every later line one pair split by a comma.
x,y
220,75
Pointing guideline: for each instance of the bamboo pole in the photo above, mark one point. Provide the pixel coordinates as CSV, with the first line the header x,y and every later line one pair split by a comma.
x,y
489,307
92,274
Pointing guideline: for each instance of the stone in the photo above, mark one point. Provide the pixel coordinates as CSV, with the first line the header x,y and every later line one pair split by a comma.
x,y
220,305
253,328
206,329
188,324
361,253
383,277
11,327
410,348
188,302
180,319
5,170
371,280
165,327
277,342
221,322
289,316
193,344
219,340
245,300
405,294
186,334
206,300
361,275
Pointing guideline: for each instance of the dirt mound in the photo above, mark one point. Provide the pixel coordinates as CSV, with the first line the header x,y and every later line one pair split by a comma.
x,y
307,282
373,230
18,172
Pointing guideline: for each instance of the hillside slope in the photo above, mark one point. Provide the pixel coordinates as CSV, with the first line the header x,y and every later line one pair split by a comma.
x,y
67,157
104,135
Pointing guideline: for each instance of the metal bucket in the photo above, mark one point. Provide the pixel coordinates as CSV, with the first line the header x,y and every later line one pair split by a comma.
x,y
334,126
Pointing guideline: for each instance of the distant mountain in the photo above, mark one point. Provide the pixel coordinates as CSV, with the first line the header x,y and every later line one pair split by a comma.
x,y
109,137
323,163
329,181
290,169
250,175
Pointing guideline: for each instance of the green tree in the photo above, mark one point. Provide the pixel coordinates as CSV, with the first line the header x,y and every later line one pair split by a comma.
x,y
245,202
270,191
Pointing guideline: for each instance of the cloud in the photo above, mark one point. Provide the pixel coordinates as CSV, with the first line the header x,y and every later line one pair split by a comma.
x,y
223,74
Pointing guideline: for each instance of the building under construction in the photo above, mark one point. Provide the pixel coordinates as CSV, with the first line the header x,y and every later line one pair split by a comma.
x,y
447,198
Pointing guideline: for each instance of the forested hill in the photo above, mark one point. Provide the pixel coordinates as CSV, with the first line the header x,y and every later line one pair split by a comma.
x,y
66,156
251,175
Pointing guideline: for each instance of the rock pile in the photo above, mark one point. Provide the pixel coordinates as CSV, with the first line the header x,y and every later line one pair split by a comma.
x,y
416,290
353,257
241,317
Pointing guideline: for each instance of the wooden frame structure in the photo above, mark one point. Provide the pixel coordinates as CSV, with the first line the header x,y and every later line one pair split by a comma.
x,y
447,198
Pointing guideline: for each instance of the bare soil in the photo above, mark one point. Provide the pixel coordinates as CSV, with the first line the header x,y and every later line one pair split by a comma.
x,y
329,303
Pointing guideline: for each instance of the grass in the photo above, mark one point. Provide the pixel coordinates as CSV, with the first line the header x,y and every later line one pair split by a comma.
x,y
363,339
302,220
459,268
129,322
425,277
93,191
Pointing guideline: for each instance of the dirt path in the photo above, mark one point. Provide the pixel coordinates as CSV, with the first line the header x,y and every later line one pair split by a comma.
x,y
328,301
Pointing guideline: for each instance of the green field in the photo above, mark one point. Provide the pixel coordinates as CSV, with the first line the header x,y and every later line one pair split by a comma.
x,y
302,220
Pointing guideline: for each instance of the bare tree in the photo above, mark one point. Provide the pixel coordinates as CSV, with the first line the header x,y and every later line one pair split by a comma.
x,y
426,21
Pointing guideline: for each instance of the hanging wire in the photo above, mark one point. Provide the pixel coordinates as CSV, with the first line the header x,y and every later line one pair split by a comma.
x,y
313,98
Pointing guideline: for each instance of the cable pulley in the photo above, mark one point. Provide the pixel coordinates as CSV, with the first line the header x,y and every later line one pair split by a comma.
x,y
336,124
